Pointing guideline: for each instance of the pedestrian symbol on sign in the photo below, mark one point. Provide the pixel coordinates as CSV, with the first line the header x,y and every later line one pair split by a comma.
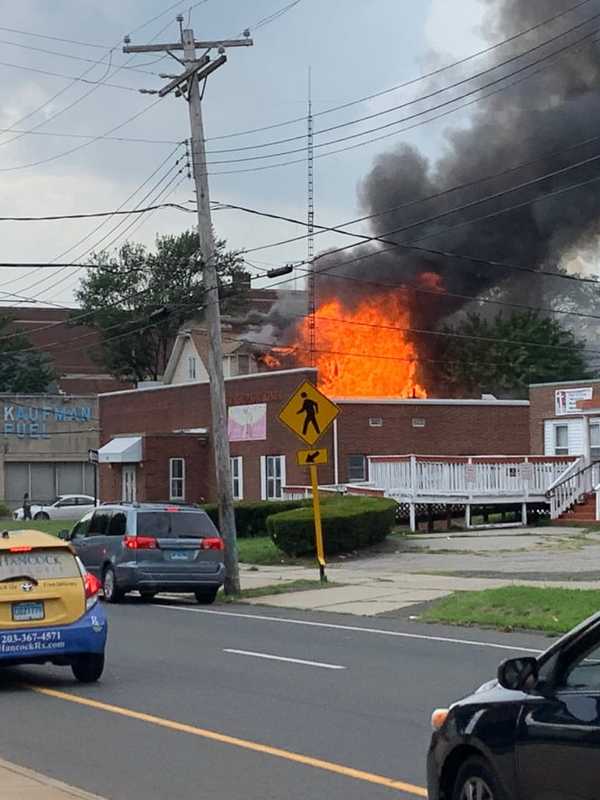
x,y
310,408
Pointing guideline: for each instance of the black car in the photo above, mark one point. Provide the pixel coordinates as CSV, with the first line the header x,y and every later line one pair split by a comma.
x,y
532,734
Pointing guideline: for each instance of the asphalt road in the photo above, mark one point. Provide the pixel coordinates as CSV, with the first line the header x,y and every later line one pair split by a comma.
x,y
182,713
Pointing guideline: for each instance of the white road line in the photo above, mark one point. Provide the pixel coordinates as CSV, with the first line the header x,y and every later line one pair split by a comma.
x,y
357,628
281,658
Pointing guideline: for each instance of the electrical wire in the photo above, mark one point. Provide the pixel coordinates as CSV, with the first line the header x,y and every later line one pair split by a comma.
x,y
407,83
430,95
408,118
68,77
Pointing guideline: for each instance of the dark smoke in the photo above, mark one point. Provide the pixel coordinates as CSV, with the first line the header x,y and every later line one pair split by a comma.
x,y
536,119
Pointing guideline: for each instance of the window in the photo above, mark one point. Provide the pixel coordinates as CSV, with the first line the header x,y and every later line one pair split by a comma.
x,y
357,468
192,371
584,671
561,440
375,422
99,524
82,527
243,365
176,524
177,479
418,422
237,477
274,477
595,441
118,524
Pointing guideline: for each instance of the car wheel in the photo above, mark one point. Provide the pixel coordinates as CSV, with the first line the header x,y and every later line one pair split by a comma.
x,y
476,781
148,596
41,515
112,593
88,667
206,596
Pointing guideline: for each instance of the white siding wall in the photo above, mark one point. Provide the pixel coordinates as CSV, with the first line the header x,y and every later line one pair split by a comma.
x,y
181,374
575,435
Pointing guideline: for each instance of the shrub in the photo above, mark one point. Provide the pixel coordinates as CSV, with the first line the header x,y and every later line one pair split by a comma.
x,y
5,512
251,517
348,524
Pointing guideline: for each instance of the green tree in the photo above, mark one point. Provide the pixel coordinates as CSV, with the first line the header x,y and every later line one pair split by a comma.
x,y
504,355
23,370
125,294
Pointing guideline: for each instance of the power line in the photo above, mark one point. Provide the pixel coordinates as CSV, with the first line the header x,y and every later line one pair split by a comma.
x,y
101,224
436,195
415,115
68,77
380,138
71,57
407,83
95,214
434,93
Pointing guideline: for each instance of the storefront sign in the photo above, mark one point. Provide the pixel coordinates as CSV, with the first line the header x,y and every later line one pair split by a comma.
x,y
565,400
247,423
32,422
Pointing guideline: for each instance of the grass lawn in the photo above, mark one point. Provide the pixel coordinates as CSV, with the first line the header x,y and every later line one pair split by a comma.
x,y
49,526
278,588
512,607
261,550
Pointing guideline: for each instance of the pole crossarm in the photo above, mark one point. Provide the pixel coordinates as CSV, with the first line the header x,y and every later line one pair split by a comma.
x,y
179,79
208,45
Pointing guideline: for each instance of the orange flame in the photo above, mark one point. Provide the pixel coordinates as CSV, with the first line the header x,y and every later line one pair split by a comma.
x,y
361,352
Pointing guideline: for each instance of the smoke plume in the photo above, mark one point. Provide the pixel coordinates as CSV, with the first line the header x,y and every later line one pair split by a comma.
x,y
545,118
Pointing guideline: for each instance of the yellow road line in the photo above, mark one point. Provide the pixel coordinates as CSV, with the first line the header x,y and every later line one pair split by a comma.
x,y
288,755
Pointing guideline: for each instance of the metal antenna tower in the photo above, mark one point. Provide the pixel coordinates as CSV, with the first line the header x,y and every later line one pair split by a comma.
x,y
312,289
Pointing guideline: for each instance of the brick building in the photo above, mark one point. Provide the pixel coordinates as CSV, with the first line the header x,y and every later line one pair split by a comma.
x,y
156,440
556,420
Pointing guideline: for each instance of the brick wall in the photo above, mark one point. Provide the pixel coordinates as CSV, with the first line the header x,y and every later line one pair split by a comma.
x,y
450,429
542,407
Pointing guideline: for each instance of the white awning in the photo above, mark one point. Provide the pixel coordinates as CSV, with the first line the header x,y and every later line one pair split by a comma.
x,y
122,450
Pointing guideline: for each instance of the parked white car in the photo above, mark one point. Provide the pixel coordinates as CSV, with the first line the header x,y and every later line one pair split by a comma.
x,y
66,506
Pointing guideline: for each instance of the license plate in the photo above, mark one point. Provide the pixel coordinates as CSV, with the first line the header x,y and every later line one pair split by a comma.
x,y
181,555
27,612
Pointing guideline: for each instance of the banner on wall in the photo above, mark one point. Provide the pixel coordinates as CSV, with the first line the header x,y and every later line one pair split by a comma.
x,y
565,400
247,423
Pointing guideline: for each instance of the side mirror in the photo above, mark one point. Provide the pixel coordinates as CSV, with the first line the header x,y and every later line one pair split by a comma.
x,y
519,674
65,535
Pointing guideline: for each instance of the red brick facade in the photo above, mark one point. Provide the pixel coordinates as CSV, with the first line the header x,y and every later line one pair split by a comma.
x,y
364,428
542,407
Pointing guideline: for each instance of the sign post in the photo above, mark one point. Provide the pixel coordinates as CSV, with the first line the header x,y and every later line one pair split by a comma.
x,y
93,459
308,414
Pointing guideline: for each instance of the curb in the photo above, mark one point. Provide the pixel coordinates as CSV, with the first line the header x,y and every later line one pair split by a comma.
x,y
50,783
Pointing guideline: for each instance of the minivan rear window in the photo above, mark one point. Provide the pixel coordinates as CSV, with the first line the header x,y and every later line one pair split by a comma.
x,y
175,524
39,564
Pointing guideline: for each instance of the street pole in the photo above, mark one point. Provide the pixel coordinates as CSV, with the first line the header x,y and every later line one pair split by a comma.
x,y
187,84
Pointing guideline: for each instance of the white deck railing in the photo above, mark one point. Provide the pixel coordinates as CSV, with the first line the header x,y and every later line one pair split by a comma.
x,y
413,476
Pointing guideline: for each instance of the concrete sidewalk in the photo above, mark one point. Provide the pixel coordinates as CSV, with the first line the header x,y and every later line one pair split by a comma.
x,y
18,783
415,573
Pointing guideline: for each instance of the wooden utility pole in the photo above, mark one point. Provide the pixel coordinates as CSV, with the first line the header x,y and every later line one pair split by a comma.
x,y
187,85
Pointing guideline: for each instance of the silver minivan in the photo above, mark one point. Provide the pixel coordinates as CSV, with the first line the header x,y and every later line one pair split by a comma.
x,y
151,548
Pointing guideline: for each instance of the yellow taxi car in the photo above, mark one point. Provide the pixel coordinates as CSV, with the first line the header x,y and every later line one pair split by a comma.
x,y
49,609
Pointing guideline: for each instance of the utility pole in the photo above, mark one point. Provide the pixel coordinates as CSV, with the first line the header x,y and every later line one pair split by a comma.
x,y
187,85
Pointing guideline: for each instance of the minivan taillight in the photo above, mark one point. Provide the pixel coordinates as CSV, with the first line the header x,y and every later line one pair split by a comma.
x,y
140,542
213,543
92,588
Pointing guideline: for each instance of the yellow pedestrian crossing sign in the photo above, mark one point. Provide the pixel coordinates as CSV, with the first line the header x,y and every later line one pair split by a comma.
x,y
308,413
316,455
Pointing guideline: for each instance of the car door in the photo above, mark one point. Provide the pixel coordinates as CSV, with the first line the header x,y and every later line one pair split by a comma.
x,y
91,549
559,734
84,504
66,508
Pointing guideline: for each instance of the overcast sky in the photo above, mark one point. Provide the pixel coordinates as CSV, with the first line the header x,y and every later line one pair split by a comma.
x,y
354,48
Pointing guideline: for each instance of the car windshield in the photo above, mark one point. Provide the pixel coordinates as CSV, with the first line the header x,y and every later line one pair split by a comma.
x,y
38,564
175,525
